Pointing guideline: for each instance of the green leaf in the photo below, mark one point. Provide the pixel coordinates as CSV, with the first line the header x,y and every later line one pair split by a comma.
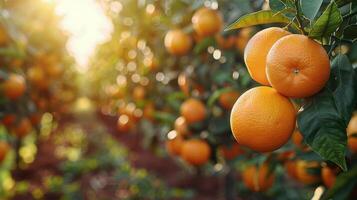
x,y
310,8
350,32
325,116
342,2
256,18
327,23
276,5
343,186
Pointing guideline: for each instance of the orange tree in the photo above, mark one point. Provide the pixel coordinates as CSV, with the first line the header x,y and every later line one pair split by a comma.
x,y
312,66
170,66
33,78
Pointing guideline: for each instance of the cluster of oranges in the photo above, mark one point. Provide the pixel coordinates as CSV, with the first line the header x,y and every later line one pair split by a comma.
x,y
289,66
183,141
31,84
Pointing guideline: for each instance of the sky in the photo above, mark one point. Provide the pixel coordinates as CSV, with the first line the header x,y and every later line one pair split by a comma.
x,y
87,25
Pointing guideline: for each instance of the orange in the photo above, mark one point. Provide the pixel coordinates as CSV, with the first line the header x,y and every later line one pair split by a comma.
x,y
297,66
328,176
227,99
290,168
177,42
297,138
8,120
174,144
225,42
54,70
243,38
139,93
181,126
207,22
196,152
256,51
37,77
14,86
151,63
231,152
23,128
193,110
258,179
149,111
352,130
4,38
4,149
303,173
262,119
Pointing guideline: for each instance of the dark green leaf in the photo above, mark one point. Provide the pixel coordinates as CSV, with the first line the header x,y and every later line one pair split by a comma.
x,y
213,98
310,8
276,5
256,18
327,23
342,2
325,116
203,45
350,32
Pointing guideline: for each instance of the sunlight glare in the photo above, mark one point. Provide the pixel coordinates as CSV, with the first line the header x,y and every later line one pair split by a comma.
x,y
87,25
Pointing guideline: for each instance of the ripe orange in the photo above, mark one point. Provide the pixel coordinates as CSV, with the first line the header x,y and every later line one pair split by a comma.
x,y
231,152
297,138
207,22
8,120
174,145
14,87
37,77
303,174
23,128
352,130
258,179
256,51
290,168
4,149
225,42
181,126
177,42
227,99
193,110
149,111
297,66
262,119
139,93
329,176
243,38
196,151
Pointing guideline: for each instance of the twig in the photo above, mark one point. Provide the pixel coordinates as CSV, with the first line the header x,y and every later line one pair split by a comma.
x,y
299,21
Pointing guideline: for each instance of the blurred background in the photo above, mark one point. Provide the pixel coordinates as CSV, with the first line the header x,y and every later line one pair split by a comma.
x,y
107,99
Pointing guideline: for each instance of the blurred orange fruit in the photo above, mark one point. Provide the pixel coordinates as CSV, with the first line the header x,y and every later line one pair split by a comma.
x,y
231,152
174,145
290,168
207,22
225,42
193,110
297,138
23,128
196,152
177,42
258,179
352,130
8,120
262,119
227,99
256,51
14,86
139,93
304,175
328,176
4,149
181,126
297,66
